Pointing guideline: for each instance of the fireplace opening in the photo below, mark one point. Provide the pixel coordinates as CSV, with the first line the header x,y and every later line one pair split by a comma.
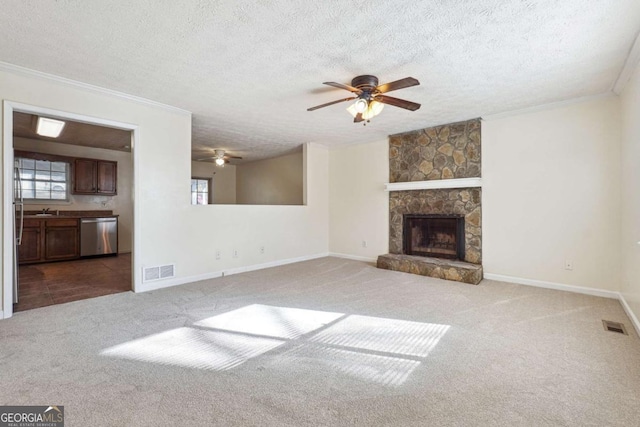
x,y
440,236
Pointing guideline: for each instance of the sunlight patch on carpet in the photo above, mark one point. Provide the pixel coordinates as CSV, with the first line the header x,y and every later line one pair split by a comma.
x,y
270,321
386,335
194,348
383,370
373,349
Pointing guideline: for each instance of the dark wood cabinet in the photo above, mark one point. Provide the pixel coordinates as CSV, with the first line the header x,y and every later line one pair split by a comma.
x,y
30,250
84,176
107,177
51,239
95,177
61,239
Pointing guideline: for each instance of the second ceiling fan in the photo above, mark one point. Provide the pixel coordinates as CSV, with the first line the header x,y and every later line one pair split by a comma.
x,y
220,158
369,96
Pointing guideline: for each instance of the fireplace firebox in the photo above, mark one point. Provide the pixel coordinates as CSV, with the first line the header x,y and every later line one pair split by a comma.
x,y
440,236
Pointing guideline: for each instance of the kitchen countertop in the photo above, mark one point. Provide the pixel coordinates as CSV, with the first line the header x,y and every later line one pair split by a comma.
x,y
54,216
31,214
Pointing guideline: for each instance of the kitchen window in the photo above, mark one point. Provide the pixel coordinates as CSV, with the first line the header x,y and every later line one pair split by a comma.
x,y
201,191
44,179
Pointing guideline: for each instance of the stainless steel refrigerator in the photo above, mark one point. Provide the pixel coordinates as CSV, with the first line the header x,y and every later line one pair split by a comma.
x,y
18,226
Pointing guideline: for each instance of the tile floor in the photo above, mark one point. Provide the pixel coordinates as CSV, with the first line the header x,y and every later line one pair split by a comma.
x,y
60,282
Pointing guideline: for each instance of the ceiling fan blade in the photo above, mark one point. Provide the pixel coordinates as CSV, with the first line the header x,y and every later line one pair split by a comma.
x,y
232,157
398,84
330,103
407,105
358,118
343,86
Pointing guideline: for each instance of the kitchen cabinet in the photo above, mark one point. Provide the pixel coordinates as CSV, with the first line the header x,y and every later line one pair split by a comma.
x,y
30,250
61,240
50,239
107,177
84,176
92,176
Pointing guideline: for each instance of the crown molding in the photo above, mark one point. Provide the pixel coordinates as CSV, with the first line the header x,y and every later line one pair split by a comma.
x,y
27,72
549,106
629,67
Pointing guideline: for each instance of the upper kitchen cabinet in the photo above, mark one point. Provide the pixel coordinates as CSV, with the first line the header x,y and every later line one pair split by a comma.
x,y
107,177
95,177
85,176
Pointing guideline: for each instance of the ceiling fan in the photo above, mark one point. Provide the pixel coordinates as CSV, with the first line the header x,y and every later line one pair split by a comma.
x,y
220,158
369,96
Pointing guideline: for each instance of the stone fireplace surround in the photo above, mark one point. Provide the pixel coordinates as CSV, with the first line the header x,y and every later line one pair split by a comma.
x,y
425,159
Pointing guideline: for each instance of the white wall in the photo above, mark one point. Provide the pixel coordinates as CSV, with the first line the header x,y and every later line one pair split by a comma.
x,y
121,204
275,181
550,193
168,228
224,180
630,224
359,208
285,232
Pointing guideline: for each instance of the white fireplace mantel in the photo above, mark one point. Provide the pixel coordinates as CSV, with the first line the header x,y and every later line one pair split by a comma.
x,y
434,184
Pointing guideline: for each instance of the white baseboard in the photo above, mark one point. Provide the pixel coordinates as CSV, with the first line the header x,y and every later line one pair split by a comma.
x,y
630,313
353,257
160,284
571,288
553,285
273,264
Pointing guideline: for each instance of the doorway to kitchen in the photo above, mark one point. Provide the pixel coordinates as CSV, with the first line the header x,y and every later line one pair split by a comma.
x,y
69,204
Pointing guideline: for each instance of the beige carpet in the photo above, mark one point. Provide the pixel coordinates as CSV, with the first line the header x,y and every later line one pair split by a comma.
x,y
326,342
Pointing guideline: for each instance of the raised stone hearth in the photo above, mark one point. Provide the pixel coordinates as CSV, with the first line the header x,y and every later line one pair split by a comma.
x,y
433,267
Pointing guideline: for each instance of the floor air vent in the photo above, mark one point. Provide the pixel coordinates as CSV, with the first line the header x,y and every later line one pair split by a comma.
x,y
614,327
156,273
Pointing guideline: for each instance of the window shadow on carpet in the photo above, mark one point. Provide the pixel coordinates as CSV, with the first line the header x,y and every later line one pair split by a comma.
x,y
380,350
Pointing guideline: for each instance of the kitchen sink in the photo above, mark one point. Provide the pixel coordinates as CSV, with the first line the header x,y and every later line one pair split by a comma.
x,y
42,214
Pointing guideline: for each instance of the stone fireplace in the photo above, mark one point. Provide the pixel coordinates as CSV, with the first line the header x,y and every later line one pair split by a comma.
x,y
435,214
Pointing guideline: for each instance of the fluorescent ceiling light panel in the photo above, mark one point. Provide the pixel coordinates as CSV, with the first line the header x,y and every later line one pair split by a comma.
x,y
49,127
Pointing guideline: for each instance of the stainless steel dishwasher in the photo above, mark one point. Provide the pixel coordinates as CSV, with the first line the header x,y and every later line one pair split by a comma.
x,y
98,236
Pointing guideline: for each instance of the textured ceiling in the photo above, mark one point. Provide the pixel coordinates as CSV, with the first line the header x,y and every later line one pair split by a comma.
x,y
249,69
75,133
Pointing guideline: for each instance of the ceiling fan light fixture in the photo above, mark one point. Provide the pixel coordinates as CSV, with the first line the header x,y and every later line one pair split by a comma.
x,y
370,97
220,161
360,105
376,107
373,110
352,110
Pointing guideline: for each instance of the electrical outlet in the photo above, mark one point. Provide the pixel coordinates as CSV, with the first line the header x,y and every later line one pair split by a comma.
x,y
218,254
364,243
568,264
262,250
235,253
